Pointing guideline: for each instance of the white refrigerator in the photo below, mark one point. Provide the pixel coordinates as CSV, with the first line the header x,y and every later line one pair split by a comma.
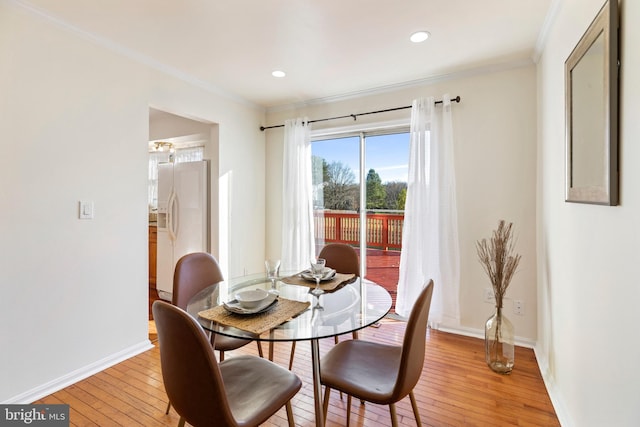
x,y
183,217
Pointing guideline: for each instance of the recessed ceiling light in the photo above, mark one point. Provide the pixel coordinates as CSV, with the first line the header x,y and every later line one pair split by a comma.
x,y
278,73
419,36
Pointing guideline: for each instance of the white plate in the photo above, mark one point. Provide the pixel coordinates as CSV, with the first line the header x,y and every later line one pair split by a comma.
x,y
235,307
329,273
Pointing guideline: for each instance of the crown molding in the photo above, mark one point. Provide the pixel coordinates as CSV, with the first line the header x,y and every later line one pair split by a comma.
x,y
133,55
469,72
188,78
543,35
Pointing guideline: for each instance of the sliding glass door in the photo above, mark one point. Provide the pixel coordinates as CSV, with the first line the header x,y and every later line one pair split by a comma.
x,y
360,185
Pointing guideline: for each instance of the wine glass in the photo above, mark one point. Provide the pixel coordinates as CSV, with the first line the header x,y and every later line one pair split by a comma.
x,y
317,270
273,266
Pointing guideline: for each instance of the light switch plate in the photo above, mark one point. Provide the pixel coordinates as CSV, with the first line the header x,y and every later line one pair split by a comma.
x,y
86,209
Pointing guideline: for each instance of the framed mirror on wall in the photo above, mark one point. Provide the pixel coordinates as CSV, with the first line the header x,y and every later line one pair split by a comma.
x,y
591,110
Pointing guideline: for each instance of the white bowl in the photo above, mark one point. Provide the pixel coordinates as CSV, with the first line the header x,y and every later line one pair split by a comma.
x,y
251,299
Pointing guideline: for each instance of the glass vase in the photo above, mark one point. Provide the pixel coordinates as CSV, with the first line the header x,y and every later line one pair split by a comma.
x,y
498,342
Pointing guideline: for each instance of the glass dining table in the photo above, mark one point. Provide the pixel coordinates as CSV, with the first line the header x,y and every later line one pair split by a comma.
x,y
349,308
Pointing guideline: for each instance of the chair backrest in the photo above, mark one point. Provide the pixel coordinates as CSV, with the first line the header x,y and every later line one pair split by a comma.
x,y
413,344
190,371
341,257
193,273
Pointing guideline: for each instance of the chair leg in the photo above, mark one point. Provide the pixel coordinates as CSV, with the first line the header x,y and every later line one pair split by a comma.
x,y
212,338
335,341
348,409
325,403
181,422
414,405
293,351
168,407
290,414
259,349
394,416
222,356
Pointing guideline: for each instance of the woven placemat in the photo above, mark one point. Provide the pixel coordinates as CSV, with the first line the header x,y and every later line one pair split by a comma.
x,y
332,285
283,310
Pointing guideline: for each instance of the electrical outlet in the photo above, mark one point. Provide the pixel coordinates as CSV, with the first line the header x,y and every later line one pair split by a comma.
x,y
518,307
488,296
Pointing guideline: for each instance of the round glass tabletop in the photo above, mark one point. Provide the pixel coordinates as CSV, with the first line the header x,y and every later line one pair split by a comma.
x,y
353,306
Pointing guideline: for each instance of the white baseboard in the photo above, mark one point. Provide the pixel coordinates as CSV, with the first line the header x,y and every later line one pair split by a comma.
x,y
552,391
479,333
79,374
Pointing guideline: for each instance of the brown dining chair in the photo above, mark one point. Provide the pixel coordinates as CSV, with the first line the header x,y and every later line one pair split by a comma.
x,y
241,391
193,273
343,259
380,373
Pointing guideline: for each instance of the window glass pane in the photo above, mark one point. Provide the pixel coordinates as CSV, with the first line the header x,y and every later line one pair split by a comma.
x,y
336,190
387,159
387,170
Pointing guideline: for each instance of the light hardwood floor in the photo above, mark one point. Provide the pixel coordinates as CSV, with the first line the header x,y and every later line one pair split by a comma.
x,y
456,389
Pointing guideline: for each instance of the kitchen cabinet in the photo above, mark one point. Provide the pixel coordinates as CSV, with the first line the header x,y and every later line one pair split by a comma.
x,y
153,240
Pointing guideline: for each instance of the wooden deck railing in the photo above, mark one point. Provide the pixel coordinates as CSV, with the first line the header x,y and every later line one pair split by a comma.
x,y
384,230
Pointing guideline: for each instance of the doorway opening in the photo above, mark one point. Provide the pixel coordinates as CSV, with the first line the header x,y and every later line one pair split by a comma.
x,y
175,139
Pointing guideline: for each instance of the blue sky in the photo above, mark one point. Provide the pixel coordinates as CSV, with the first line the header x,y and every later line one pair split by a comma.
x,y
387,154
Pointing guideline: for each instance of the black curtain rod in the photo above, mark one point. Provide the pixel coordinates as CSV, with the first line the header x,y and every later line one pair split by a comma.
x,y
354,116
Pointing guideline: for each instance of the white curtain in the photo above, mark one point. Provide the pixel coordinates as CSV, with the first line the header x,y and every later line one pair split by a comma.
x,y
430,235
297,211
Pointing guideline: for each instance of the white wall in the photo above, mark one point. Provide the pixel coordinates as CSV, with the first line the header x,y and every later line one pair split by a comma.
x,y
495,155
588,255
74,122
164,125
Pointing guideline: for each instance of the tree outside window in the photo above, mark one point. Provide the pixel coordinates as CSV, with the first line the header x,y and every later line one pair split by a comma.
x,y
376,193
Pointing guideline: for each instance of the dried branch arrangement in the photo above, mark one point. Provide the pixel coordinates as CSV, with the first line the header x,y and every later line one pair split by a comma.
x,y
499,260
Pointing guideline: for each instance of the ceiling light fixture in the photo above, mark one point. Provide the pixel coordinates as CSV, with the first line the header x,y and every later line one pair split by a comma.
x,y
161,145
278,73
419,36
